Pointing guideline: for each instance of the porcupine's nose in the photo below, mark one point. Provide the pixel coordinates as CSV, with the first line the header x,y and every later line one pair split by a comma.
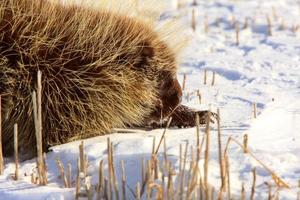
x,y
173,96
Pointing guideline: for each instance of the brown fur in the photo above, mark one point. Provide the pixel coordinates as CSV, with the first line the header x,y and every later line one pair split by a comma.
x,y
100,70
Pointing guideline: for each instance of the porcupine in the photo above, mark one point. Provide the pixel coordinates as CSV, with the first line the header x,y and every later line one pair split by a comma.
x,y
100,70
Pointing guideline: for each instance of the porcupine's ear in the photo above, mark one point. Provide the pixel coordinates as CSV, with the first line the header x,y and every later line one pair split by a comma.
x,y
145,53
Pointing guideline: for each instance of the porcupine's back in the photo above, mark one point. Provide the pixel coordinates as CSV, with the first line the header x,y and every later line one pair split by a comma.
x,y
99,70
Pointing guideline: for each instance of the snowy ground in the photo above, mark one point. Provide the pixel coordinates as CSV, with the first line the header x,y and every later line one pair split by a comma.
x,y
262,69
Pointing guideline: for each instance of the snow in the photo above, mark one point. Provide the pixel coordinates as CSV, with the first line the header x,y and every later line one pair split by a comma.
x,y
263,69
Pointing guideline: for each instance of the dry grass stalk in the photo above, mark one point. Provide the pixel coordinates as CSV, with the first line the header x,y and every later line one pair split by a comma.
x,y
77,181
237,34
207,145
274,13
253,184
16,152
153,145
269,191
199,96
245,142
228,176
254,111
62,172
182,173
246,24
37,112
33,178
282,24
206,26
205,76
233,21
163,135
298,194
295,28
123,180
194,3
179,4
194,22
269,22
69,175
170,186
100,189
184,81
138,192
81,158
221,163
1,152
213,79
243,194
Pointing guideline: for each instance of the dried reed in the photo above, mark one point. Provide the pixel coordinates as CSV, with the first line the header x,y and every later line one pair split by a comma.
x,y
221,163
184,81
62,172
1,152
194,22
207,132
237,34
269,24
205,76
213,78
254,110
253,184
16,152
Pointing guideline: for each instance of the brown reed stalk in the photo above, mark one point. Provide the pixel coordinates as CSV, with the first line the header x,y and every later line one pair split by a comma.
x,y
1,152
123,180
194,22
246,24
253,184
69,175
199,96
114,177
39,133
206,26
100,189
207,145
81,158
16,151
182,173
245,142
179,4
33,178
110,173
205,76
163,135
237,34
269,25
298,194
138,192
194,3
183,81
228,176
269,191
77,190
62,172
170,185
221,163
212,193
233,21
254,110
243,194
153,145
213,79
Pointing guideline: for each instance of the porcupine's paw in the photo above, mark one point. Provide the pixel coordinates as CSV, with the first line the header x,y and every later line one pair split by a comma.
x,y
186,117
